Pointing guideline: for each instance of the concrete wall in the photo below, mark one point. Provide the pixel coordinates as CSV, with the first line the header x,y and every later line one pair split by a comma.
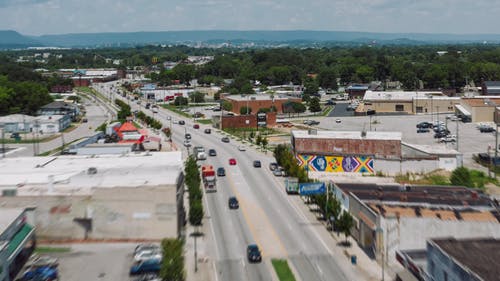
x,y
412,233
393,167
125,213
358,147
483,113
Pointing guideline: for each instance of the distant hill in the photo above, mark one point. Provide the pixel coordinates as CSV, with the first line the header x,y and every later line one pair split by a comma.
x,y
10,39
291,37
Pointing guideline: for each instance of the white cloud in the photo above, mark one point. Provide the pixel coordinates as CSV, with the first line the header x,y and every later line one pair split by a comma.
x,y
72,16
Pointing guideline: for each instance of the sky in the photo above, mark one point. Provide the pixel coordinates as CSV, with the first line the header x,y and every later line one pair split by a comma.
x,y
38,17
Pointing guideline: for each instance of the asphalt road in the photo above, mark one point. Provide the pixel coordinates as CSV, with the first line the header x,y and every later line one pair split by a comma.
x,y
267,216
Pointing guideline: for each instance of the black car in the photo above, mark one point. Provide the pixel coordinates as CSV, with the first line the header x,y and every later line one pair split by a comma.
x,y
486,129
187,136
257,164
253,253
181,122
439,135
212,152
225,139
233,203
273,166
423,130
208,131
221,172
424,125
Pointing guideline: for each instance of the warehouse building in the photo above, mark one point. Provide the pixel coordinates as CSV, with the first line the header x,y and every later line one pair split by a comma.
x,y
128,196
478,109
17,240
257,102
390,217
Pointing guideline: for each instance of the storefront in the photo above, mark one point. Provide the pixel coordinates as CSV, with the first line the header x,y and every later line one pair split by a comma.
x,y
17,241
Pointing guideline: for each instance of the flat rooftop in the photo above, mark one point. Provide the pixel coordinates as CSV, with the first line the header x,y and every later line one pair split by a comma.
x,y
418,194
402,95
8,216
480,255
370,135
70,174
256,97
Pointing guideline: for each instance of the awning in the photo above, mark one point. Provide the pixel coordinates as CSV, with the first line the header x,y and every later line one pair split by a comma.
x,y
15,245
463,110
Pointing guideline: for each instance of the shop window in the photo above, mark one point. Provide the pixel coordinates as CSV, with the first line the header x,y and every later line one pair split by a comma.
x,y
400,107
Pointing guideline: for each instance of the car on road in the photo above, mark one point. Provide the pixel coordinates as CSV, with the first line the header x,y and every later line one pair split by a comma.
x,y
311,122
147,266
208,131
233,203
187,143
273,166
338,121
196,126
187,136
85,120
423,130
439,135
181,122
221,172
225,139
15,136
242,148
278,172
257,164
232,161
330,102
212,152
253,253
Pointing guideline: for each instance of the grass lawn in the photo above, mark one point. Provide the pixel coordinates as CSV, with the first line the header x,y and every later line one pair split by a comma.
x,y
283,270
176,110
48,250
204,121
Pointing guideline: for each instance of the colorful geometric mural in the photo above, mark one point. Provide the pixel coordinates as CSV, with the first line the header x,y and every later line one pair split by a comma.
x,y
336,164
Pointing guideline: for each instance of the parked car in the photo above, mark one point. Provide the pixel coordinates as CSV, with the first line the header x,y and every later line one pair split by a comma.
x,y
212,152
448,139
486,129
147,255
273,166
232,161
242,148
423,130
440,135
233,203
146,247
85,120
424,125
253,253
257,164
147,266
225,139
221,172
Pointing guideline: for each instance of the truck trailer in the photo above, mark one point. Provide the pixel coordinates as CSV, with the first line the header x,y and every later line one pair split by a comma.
x,y
208,176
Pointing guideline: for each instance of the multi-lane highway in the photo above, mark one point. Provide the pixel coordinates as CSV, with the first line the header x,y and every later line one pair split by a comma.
x,y
267,216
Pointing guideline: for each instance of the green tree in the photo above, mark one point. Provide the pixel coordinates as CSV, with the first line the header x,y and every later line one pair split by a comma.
x,y
345,224
245,110
327,78
197,97
181,101
314,105
184,72
196,213
217,96
461,176
226,105
264,142
172,266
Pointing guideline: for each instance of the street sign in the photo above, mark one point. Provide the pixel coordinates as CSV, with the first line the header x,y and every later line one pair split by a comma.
x,y
312,188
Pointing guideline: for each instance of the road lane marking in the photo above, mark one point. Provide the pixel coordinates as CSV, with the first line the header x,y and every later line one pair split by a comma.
x,y
243,207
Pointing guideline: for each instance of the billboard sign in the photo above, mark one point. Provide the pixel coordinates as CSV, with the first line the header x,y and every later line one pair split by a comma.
x,y
312,188
292,185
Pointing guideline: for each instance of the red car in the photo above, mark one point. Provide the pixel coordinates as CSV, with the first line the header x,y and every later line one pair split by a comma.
x,y
196,126
232,161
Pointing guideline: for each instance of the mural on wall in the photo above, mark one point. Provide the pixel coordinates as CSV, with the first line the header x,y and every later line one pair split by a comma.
x,y
336,164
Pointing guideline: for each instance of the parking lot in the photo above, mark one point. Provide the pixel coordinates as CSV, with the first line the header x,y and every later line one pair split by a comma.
x,y
96,261
469,139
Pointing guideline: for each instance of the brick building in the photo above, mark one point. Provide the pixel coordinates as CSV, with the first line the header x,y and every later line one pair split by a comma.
x,y
256,102
244,121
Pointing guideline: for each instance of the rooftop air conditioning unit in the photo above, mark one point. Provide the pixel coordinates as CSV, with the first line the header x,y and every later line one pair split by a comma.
x,y
92,171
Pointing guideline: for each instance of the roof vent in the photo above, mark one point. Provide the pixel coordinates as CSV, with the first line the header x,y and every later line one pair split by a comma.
x,y
253,98
312,132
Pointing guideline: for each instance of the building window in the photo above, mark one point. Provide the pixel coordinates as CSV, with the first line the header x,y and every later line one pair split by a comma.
x,y
419,109
400,107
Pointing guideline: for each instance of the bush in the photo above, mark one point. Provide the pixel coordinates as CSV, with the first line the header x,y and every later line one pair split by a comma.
x,y
172,267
